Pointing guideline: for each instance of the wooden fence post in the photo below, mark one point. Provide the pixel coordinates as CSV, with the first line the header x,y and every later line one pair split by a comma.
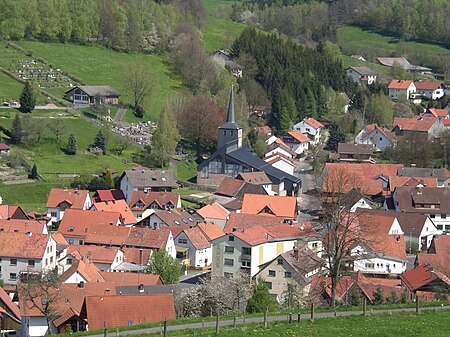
x,y
265,318
364,306
165,328
312,311
298,317
417,303
234,322
217,324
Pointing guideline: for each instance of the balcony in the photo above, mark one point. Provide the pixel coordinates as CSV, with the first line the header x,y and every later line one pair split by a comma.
x,y
245,257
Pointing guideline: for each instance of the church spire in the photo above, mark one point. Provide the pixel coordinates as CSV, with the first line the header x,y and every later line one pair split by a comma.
x,y
230,116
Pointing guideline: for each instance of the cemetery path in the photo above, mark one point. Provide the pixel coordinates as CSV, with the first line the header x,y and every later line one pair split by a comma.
x,y
119,114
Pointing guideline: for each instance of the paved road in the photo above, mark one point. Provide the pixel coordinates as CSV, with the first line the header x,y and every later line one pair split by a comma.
x,y
212,324
119,114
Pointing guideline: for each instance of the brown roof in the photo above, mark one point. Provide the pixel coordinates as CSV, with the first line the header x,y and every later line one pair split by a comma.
x,y
347,148
130,279
386,245
136,255
22,226
240,221
108,195
145,237
4,146
270,205
438,254
297,135
422,275
107,235
175,217
211,230
400,84
256,178
412,200
420,124
315,124
96,254
21,245
197,238
12,212
79,223
426,85
117,206
263,129
75,198
120,310
229,187
160,198
214,211
85,268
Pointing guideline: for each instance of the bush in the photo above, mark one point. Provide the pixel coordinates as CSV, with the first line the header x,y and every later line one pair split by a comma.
x,y
139,111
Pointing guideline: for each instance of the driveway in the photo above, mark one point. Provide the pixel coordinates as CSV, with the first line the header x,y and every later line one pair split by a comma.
x,y
119,114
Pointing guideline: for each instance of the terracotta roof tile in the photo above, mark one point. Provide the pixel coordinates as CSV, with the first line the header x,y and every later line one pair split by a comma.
x,y
427,85
315,124
197,238
396,181
87,269
420,124
297,135
76,198
145,237
256,177
211,230
96,254
240,221
10,305
107,235
130,279
214,211
21,245
120,310
161,198
137,255
437,112
400,84
116,206
109,195
422,275
59,239
229,187
270,205
23,226
12,212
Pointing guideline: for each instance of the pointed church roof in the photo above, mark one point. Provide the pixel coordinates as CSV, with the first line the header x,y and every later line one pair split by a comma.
x,y
231,121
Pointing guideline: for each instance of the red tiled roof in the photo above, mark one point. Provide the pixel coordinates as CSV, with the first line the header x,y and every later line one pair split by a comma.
x,y
420,124
256,177
277,205
422,275
214,211
137,255
437,112
386,245
400,84
87,269
211,230
385,131
197,238
240,221
263,129
23,226
284,146
75,198
229,187
12,212
315,124
278,157
145,237
118,206
120,310
107,235
161,198
10,305
130,279
59,239
298,136
109,195
21,245
96,254
396,181
79,223
4,146
426,85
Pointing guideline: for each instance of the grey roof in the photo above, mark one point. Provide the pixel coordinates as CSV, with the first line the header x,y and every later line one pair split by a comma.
x,y
144,177
126,266
152,290
390,61
249,158
439,174
364,71
349,148
231,120
101,90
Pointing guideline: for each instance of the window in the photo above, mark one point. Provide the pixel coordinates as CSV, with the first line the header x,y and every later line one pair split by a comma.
x,y
229,262
31,263
432,216
81,242
246,264
46,262
280,261
182,241
246,251
443,216
315,245
229,249
71,229
12,276
51,259
69,261
13,262
70,241
269,285
370,265
272,273
53,214
287,274
231,238
439,227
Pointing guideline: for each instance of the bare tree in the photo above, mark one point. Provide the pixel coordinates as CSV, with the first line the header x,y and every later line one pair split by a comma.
x,y
58,127
141,83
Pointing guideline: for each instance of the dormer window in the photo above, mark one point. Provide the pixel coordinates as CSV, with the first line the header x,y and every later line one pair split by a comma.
x,y
71,229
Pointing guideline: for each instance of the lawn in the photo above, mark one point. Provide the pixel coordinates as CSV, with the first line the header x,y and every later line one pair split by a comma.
x,y
434,324
99,66
9,89
186,171
220,33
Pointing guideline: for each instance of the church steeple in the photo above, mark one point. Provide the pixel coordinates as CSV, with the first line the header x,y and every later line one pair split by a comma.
x,y
230,133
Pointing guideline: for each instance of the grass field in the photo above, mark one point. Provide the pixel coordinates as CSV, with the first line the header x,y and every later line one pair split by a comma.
x,y
213,5
434,324
99,66
186,171
220,33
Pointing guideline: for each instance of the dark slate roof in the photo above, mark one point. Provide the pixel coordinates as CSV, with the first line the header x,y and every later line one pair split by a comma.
x,y
231,120
439,174
144,177
348,148
102,90
249,158
364,71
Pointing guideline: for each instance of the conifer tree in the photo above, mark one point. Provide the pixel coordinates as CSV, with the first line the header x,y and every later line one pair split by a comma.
x,y
165,138
100,141
28,98
17,131
72,145
34,173
261,298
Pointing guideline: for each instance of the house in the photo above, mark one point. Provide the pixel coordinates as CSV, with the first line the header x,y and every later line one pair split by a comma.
x,y
296,141
237,188
241,221
246,250
401,88
427,127
199,249
310,128
275,157
231,159
433,202
101,311
144,179
265,130
378,136
171,218
61,199
4,149
147,238
270,205
430,90
278,147
89,94
131,279
116,206
404,63
12,212
23,226
427,283
108,195
442,176
295,267
77,224
437,255
397,181
144,204
104,258
81,270
362,74
234,68
214,213
257,178
9,314
355,152
23,253
221,57
441,114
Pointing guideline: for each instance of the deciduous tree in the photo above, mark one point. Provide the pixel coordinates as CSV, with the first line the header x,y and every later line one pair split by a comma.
x,y
164,265
165,138
17,132
261,298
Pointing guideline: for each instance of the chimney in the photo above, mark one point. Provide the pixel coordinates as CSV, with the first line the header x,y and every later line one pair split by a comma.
x,y
81,285
296,253
141,288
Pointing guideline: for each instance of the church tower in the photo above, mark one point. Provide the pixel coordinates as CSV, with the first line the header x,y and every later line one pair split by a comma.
x,y
230,134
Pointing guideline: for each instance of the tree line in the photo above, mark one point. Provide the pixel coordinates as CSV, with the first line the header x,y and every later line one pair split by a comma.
x,y
128,25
